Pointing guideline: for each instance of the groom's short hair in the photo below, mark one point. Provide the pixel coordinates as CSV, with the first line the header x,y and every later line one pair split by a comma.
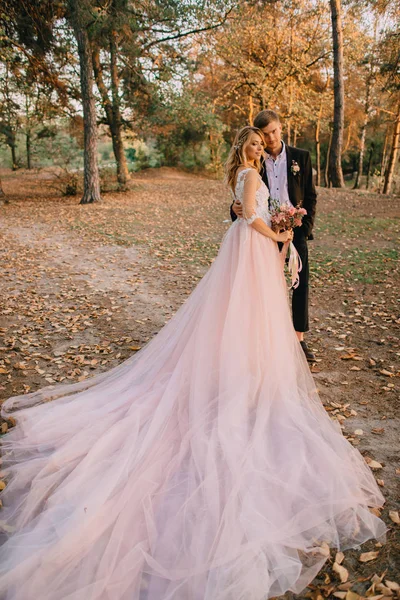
x,y
265,117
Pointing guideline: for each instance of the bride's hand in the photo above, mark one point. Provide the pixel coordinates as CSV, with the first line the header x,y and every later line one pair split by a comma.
x,y
285,236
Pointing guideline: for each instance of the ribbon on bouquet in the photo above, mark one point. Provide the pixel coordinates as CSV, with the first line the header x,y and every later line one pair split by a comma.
x,y
294,263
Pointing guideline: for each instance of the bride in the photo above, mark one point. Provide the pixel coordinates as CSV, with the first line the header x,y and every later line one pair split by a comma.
x,y
204,467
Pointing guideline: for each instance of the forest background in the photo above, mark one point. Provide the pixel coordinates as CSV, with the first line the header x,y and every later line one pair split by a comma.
x,y
168,83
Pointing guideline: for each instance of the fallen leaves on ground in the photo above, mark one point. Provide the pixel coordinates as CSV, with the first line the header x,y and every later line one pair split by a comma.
x,y
367,556
85,287
341,571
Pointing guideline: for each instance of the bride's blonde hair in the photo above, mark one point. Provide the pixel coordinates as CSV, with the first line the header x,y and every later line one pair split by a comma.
x,y
237,156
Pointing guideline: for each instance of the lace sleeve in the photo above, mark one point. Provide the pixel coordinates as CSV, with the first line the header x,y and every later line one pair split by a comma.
x,y
251,183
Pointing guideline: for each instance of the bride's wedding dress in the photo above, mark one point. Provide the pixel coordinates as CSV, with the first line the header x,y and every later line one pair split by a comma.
x,y
203,468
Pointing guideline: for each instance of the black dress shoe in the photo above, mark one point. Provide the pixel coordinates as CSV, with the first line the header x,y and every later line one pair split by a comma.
x,y
310,356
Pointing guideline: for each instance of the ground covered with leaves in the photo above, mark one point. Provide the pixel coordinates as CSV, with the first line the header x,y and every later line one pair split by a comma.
x,y
84,287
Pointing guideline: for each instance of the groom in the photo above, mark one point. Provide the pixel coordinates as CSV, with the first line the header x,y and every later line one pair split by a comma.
x,y
287,173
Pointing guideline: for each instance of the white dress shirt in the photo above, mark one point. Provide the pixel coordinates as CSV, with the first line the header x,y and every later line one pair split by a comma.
x,y
277,176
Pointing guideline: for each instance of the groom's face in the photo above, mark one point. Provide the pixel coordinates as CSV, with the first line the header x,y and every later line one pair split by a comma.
x,y
273,136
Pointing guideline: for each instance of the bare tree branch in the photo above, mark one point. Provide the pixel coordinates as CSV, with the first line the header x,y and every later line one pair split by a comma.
x,y
177,36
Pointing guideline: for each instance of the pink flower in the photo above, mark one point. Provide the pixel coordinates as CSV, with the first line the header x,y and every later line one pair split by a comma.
x,y
295,167
285,216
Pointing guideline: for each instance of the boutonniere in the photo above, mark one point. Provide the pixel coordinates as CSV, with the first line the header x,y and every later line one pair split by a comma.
x,y
295,167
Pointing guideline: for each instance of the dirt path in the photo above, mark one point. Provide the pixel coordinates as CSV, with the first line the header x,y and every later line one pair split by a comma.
x,y
82,288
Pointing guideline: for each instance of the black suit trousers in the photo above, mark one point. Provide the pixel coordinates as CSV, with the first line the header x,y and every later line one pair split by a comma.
x,y
300,294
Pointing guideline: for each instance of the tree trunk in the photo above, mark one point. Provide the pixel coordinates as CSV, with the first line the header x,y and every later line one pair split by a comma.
x,y
344,150
288,133
393,155
289,119
116,134
371,152
28,149
328,182
28,133
114,124
122,167
357,183
335,157
290,105
251,110
3,197
384,152
318,144
91,178
13,149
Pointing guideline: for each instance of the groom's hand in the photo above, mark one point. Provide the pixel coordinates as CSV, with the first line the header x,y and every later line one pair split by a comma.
x,y
237,208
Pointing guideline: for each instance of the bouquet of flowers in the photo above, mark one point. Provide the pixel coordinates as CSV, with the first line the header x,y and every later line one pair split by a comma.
x,y
285,217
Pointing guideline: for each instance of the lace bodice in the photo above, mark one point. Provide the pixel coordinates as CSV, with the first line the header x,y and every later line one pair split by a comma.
x,y
252,210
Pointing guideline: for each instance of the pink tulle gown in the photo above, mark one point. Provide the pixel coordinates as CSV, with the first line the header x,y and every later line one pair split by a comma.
x,y
203,468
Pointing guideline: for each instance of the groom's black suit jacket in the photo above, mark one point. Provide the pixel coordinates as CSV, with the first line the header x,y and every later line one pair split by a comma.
x,y
300,186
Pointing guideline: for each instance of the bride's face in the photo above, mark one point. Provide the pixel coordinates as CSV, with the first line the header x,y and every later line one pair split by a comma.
x,y
253,148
